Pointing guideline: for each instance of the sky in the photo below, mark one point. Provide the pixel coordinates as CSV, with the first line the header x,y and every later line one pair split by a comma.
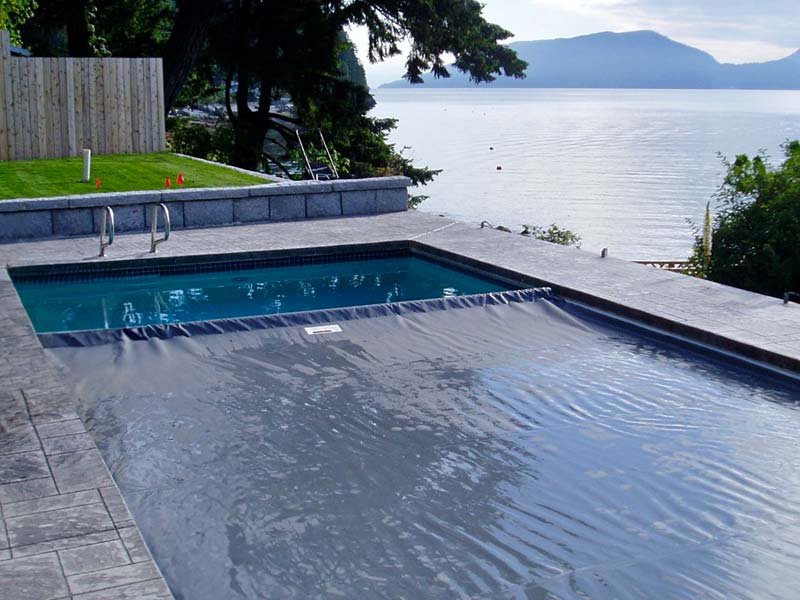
x,y
735,31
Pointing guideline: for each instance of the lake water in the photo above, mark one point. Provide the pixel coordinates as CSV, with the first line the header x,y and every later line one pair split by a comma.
x,y
625,169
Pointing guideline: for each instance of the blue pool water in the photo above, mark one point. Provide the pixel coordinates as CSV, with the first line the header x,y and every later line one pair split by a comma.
x,y
91,303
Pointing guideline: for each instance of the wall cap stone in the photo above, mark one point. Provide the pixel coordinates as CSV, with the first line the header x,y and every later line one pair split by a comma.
x,y
283,187
350,185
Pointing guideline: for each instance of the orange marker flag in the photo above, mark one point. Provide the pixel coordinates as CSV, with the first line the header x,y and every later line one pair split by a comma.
x,y
180,178
98,183
168,182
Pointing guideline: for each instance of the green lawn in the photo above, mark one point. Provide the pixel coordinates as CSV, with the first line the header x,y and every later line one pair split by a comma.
x,y
117,172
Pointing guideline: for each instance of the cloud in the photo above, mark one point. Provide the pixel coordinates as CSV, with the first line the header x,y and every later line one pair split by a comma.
x,y
736,31
739,31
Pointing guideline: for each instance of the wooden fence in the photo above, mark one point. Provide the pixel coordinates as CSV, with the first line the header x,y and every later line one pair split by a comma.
x,y
56,107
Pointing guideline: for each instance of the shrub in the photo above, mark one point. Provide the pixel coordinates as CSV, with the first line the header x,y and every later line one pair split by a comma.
x,y
756,233
553,234
212,143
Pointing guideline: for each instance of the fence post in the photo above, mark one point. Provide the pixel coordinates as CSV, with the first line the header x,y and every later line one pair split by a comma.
x,y
5,56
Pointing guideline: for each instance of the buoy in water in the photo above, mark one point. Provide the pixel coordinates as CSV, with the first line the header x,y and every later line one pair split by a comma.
x,y
499,168
491,147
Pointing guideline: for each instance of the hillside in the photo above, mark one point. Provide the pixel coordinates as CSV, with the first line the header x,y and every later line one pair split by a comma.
x,y
637,59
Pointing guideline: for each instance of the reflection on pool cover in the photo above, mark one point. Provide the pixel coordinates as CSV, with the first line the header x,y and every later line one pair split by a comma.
x,y
510,451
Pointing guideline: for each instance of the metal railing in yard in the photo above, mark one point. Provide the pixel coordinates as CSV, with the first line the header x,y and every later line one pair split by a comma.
x,y
676,266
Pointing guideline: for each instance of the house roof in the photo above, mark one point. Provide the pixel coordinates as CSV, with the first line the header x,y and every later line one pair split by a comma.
x,y
17,51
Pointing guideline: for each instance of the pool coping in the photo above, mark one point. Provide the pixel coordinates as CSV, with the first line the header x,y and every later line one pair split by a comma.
x,y
38,474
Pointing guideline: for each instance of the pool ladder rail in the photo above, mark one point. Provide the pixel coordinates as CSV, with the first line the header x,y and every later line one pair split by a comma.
x,y
107,227
106,219
154,242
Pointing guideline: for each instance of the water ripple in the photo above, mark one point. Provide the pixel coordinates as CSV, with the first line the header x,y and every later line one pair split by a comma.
x,y
532,454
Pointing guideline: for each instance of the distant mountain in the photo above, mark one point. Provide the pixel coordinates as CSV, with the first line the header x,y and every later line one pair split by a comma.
x,y
636,59
774,75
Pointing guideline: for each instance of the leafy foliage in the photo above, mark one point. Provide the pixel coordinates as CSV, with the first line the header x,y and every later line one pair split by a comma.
x,y
756,234
435,28
211,143
553,234
317,156
14,14
94,28
268,49
134,27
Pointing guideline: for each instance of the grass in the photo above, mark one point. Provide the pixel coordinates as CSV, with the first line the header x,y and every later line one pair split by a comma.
x,y
117,173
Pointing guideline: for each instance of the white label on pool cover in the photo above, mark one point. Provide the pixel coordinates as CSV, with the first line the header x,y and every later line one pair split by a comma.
x,y
322,329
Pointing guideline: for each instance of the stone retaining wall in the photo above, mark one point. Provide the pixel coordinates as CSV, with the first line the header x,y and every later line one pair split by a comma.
x,y
203,207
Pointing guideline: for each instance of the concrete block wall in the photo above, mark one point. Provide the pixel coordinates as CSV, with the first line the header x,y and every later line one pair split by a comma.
x,y
203,207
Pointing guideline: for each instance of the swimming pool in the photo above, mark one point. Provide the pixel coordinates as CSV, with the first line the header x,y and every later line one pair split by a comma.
x,y
157,293
526,449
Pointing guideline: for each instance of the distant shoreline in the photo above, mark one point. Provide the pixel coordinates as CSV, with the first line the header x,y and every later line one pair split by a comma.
x,y
630,60
428,88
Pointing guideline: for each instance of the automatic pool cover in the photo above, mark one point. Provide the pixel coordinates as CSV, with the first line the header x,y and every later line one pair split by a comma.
x,y
513,450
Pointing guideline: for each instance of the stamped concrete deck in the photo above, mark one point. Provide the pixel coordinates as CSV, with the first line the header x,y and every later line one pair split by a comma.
x,y
65,530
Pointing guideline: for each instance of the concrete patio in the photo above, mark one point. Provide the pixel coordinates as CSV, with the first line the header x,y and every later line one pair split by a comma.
x,y
66,532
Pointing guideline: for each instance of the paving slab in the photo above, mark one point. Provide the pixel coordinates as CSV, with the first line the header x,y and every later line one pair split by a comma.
x,y
110,578
95,557
16,431
60,428
79,470
57,524
66,543
23,466
134,544
115,505
49,405
34,578
25,490
67,443
49,503
13,413
153,589
22,439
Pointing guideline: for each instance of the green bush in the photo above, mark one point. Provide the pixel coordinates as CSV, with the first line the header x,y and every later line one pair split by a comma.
x,y
756,233
211,143
553,234
317,156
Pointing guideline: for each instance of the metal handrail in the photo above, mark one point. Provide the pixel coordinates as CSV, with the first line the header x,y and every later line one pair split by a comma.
x,y
108,215
686,267
154,226
334,171
311,172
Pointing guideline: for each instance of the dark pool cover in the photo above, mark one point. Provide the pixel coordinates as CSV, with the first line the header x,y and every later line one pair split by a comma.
x,y
503,451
